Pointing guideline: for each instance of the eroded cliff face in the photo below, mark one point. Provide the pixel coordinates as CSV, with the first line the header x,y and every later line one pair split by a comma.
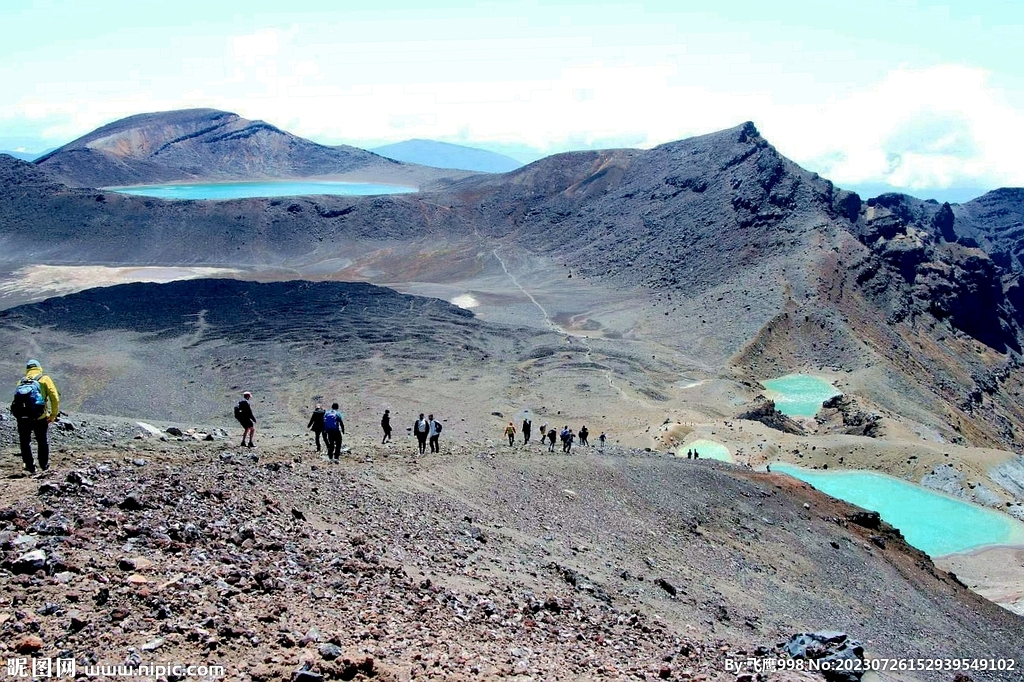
x,y
918,267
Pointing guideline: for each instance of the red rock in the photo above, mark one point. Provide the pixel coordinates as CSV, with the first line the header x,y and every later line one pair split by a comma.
x,y
29,645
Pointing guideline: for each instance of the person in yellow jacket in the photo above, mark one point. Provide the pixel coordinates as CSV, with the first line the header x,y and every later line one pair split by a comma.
x,y
36,404
510,433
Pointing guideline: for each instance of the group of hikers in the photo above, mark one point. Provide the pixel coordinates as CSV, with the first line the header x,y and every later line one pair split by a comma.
x,y
329,425
36,405
566,435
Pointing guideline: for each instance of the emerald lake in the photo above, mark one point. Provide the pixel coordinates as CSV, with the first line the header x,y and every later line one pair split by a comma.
x,y
935,523
799,395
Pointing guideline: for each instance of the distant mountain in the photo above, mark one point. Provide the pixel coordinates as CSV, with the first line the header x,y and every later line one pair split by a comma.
x,y
207,144
24,156
446,155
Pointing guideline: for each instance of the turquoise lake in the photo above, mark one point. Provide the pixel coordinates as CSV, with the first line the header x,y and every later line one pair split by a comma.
x,y
799,395
247,190
707,449
936,524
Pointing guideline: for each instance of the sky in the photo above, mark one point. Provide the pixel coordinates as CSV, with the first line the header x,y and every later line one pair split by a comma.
x,y
913,95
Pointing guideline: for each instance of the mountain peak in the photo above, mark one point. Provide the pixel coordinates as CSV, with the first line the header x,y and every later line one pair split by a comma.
x,y
197,144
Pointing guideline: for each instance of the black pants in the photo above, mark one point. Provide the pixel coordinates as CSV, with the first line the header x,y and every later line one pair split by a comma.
x,y
333,437
27,427
387,435
583,440
422,439
434,447
511,439
526,437
317,433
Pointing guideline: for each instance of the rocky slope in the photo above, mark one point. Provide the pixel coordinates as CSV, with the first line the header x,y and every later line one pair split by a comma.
x,y
627,566
202,144
185,350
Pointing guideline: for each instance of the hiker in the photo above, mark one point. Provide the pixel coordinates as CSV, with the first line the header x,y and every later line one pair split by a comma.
x,y
435,433
385,424
583,435
244,415
551,440
334,426
689,454
543,432
527,427
34,392
602,438
420,429
566,439
510,433
696,455
316,423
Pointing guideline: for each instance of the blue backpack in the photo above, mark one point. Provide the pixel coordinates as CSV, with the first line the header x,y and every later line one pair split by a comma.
x,y
29,401
331,420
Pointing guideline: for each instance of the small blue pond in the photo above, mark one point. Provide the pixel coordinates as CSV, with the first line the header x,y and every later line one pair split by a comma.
x,y
246,190
799,395
934,523
707,449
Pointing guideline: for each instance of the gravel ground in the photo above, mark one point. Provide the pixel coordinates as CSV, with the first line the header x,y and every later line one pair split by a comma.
x,y
485,562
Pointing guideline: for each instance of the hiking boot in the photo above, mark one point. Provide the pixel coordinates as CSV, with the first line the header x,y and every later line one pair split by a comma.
x,y
251,444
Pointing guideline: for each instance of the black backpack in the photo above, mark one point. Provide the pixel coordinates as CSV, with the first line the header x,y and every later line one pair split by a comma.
x,y
437,425
239,414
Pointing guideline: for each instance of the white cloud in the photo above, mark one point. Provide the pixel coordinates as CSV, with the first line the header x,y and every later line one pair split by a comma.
x,y
255,47
917,129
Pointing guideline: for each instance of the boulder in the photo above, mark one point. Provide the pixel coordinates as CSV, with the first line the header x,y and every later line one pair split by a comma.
x,y
30,562
150,429
867,519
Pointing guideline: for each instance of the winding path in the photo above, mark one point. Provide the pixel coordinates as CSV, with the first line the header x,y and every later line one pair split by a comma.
x,y
584,341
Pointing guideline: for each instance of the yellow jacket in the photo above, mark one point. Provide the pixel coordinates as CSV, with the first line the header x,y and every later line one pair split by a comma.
x,y
49,392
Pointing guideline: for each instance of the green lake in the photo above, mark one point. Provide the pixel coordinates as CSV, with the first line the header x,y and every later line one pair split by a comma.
x,y
935,523
799,395
707,449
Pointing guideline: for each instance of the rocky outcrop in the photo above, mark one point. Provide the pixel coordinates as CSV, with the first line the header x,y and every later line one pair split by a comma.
x,y
763,410
995,222
844,414
839,658
919,267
